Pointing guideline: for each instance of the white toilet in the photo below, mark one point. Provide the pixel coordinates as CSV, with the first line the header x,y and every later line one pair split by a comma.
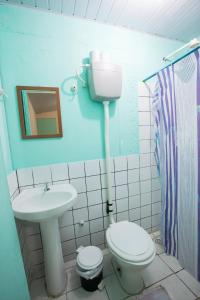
x,y
131,246
133,250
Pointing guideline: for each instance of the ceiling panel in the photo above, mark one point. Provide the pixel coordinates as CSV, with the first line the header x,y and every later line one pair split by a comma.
x,y
93,8
55,5
43,4
117,10
81,8
68,7
29,2
176,19
104,10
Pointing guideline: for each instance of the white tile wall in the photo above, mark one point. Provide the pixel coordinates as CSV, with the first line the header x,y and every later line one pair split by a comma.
x,y
121,191
94,197
95,212
93,183
134,201
143,90
76,170
133,175
82,201
92,167
145,199
144,104
59,172
122,205
121,178
42,174
80,215
25,176
97,238
145,186
96,225
136,187
12,183
133,162
79,184
82,230
144,118
145,132
120,163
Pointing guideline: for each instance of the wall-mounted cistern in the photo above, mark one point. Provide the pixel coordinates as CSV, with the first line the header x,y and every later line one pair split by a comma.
x,y
105,84
35,205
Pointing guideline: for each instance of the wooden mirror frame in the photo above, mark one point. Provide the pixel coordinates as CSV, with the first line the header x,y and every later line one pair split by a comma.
x,y
21,111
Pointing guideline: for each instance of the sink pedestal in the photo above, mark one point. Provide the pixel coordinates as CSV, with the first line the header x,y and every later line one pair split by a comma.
x,y
45,207
53,259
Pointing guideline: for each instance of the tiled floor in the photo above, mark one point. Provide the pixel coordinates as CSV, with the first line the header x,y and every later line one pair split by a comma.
x,y
164,271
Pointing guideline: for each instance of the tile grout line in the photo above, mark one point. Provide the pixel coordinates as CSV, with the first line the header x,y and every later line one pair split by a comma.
x,y
185,284
90,237
67,167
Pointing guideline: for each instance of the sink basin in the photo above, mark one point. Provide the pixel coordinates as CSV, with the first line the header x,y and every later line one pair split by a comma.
x,y
45,206
36,205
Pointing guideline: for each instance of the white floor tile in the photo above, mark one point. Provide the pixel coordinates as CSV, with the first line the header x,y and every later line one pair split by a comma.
x,y
154,293
37,290
176,288
84,295
113,288
155,272
159,249
107,265
62,297
132,298
171,261
70,264
73,279
190,282
156,234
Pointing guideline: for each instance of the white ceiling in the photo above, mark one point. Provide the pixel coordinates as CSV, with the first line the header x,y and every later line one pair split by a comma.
x,y
176,19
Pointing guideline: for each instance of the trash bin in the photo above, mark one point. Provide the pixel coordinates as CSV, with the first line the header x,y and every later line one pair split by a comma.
x,y
89,265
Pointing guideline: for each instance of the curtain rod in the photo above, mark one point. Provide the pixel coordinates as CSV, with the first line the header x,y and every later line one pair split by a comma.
x,y
172,63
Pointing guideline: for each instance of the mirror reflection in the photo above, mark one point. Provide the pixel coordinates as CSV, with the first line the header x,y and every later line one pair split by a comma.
x,y
39,112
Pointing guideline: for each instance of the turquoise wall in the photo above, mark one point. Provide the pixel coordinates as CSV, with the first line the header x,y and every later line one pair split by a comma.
x,y
13,284
4,134
39,48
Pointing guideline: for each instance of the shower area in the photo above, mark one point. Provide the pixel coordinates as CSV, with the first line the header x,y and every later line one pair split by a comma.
x,y
175,105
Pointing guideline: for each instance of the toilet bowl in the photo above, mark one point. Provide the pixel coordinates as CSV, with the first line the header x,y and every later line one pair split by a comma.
x,y
133,250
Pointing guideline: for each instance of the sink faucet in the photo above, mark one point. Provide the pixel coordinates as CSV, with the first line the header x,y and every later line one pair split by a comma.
x,y
46,188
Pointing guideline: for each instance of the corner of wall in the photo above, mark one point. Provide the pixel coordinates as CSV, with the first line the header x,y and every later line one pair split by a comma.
x,y
4,136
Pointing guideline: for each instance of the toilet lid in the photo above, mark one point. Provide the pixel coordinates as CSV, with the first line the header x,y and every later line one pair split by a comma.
x,y
129,239
89,257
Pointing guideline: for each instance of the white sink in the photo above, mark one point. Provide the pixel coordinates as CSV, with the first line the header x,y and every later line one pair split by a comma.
x,y
45,205
36,205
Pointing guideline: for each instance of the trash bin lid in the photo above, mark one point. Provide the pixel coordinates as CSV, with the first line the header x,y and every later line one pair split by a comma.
x,y
89,258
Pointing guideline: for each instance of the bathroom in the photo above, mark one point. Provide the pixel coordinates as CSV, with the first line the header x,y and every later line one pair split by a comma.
x,y
106,154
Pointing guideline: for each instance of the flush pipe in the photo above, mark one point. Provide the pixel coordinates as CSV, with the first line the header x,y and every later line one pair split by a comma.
x,y
107,159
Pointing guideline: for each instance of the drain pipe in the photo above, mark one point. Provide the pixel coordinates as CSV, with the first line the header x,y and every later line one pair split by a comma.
x,y
107,159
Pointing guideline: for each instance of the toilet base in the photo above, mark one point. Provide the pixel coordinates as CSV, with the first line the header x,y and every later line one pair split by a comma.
x,y
130,280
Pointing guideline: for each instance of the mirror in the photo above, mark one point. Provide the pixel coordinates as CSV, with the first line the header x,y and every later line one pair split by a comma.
x,y
39,110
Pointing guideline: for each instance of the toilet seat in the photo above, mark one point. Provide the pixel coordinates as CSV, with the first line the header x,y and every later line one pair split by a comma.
x,y
130,242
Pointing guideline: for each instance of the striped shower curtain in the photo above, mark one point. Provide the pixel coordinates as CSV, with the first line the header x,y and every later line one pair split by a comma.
x,y
176,111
